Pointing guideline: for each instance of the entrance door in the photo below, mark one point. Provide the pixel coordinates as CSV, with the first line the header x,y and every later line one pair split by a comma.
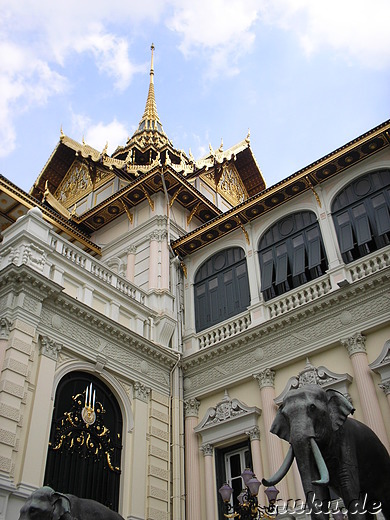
x,y
84,455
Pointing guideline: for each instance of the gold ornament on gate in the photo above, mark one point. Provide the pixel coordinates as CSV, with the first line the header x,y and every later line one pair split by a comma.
x,y
88,412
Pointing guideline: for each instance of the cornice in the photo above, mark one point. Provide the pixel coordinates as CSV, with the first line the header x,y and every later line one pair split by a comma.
x,y
111,329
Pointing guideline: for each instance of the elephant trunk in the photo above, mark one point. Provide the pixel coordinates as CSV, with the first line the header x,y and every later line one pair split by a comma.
x,y
282,471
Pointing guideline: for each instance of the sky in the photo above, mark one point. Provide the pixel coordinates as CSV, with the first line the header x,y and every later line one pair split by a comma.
x,y
304,77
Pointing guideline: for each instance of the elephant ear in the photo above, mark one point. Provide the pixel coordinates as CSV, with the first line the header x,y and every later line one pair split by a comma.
x,y
339,408
61,505
280,425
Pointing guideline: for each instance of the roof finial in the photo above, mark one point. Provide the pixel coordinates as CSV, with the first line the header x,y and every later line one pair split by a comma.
x,y
151,65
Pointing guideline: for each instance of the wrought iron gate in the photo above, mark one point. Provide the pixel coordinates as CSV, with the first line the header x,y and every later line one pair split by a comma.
x,y
85,445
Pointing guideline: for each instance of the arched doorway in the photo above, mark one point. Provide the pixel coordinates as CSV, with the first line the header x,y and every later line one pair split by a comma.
x,y
84,455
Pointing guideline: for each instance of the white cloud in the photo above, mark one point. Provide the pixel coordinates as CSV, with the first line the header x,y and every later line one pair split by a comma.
x,y
98,134
221,30
352,29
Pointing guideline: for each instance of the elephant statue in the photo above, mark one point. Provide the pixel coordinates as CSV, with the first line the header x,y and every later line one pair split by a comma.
x,y
47,504
333,452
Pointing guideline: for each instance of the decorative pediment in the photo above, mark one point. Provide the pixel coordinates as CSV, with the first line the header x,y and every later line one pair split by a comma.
x,y
321,376
228,419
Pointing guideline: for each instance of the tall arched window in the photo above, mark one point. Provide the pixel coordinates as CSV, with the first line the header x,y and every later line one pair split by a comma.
x,y
291,253
84,455
361,215
221,288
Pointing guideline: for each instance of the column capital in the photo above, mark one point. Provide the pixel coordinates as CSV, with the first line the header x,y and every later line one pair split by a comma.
x,y
131,250
49,348
207,450
355,344
253,434
385,386
141,392
265,378
191,408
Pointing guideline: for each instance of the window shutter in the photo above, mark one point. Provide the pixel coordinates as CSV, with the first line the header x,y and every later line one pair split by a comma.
x,y
299,255
267,270
345,232
314,247
281,263
362,225
381,212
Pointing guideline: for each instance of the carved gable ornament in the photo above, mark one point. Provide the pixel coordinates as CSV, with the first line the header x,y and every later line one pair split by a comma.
x,y
228,419
79,182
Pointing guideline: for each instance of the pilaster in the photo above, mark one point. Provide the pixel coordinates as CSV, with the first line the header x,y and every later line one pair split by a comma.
x,y
266,380
356,347
193,491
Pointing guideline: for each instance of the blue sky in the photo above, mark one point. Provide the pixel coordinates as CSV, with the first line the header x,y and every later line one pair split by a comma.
x,y
304,76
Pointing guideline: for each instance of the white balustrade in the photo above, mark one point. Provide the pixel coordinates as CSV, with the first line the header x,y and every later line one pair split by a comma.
x,y
224,331
369,264
304,294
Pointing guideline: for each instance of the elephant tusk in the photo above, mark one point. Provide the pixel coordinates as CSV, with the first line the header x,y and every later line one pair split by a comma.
x,y
324,474
281,471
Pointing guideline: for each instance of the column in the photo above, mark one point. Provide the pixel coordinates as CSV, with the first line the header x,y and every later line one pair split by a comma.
x,y
254,436
130,269
193,497
266,380
39,427
356,347
139,479
209,481
154,260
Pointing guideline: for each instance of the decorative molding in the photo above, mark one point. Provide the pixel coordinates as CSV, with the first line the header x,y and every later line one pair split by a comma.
x,y
207,450
355,344
385,386
49,347
5,327
265,378
191,408
254,434
141,392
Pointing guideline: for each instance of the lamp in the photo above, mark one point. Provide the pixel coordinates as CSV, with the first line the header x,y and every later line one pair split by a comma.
x,y
247,507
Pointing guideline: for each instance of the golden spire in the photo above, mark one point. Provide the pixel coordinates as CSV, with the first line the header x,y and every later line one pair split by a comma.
x,y
150,119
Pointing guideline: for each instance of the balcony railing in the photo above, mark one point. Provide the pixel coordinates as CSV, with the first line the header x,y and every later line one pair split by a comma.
x,y
224,330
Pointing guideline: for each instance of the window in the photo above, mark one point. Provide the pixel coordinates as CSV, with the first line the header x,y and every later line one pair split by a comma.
x,y
361,215
291,253
221,288
230,463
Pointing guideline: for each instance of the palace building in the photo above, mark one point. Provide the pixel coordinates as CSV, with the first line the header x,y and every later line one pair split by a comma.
x,y
155,308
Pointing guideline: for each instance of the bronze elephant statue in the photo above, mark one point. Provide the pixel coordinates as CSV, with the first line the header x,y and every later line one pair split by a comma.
x,y
333,452
47,504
